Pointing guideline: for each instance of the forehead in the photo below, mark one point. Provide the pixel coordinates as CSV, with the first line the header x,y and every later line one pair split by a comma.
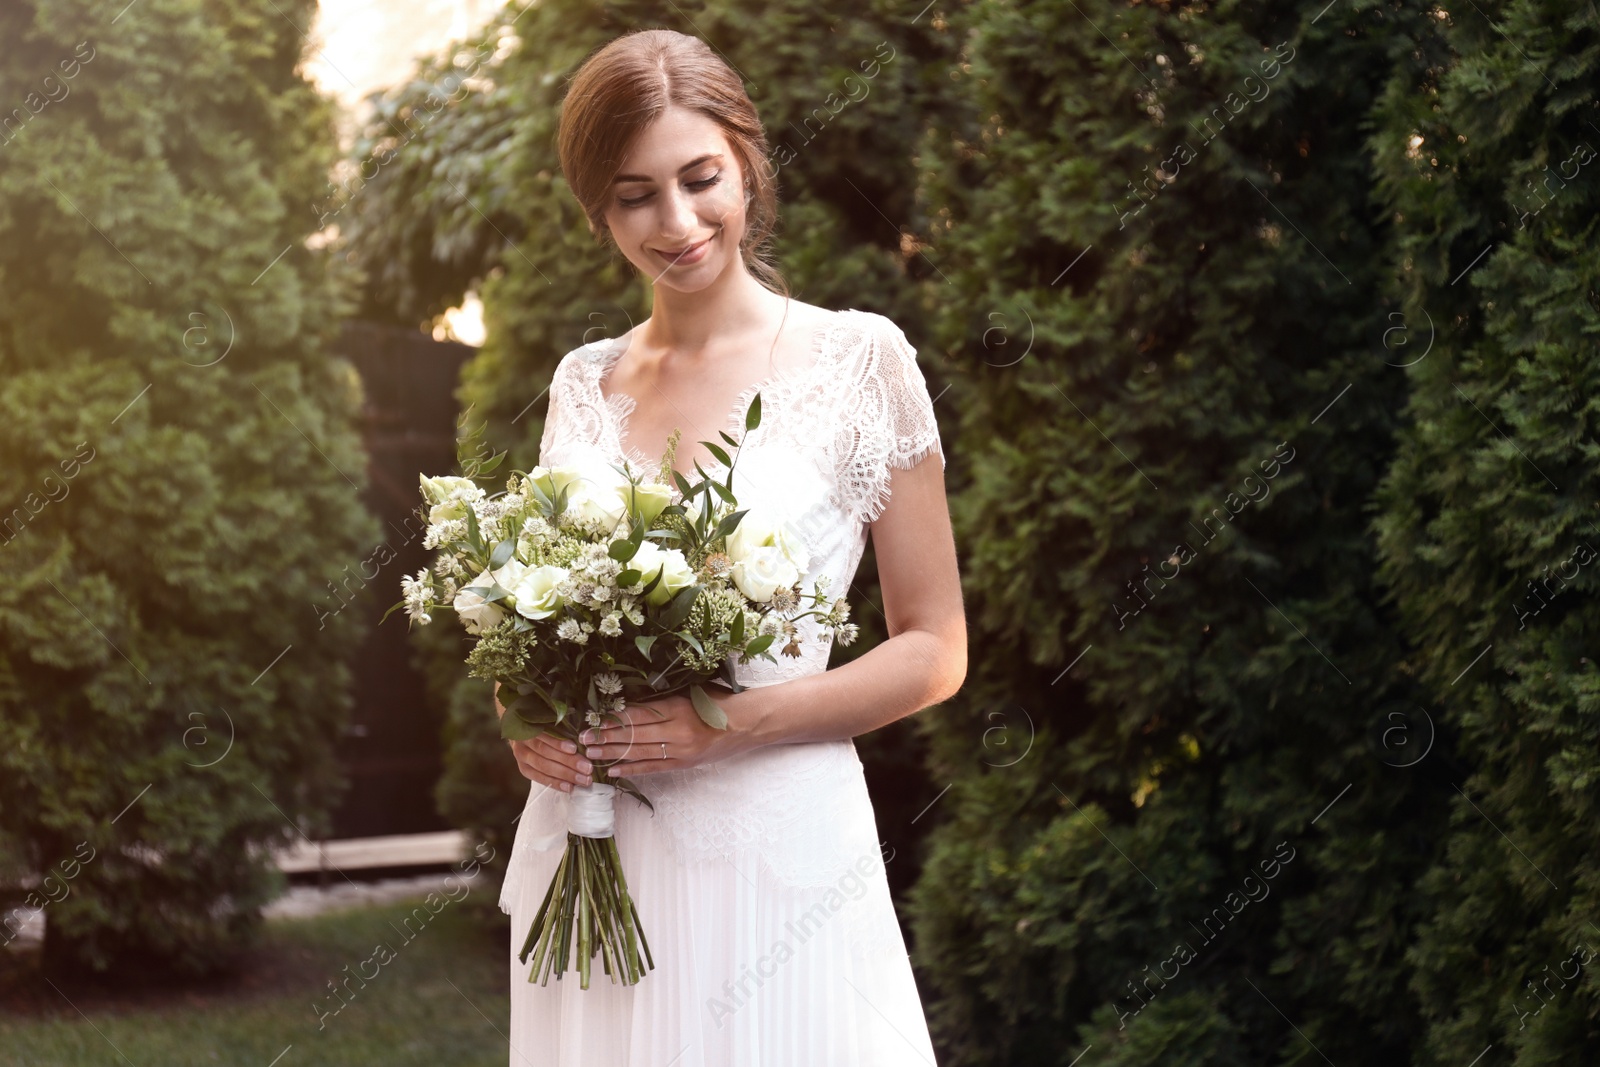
x,y
676,137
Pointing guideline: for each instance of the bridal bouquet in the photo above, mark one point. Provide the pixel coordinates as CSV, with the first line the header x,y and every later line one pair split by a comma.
x,y
589,588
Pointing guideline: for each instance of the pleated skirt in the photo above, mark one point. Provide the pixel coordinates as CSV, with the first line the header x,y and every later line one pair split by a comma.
x,y
761,889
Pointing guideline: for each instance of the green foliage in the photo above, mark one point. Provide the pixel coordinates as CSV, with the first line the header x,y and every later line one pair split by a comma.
x,y
1174,415
1491,495
179,474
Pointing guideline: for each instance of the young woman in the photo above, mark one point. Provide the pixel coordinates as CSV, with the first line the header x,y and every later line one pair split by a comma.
x,y
759,878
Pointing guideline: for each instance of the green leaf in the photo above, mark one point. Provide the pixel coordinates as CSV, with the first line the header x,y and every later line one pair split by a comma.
x,y
643,643
729,523
752,417
514,727
502,554
679,608
709,710
716,450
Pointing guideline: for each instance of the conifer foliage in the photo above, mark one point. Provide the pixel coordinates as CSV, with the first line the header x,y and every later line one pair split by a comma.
x,y
179,473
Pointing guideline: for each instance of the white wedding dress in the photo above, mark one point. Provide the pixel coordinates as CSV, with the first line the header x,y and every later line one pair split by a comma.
x,y
759,879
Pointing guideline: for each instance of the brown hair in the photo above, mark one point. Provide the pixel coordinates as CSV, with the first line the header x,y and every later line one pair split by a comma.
x,y
622,88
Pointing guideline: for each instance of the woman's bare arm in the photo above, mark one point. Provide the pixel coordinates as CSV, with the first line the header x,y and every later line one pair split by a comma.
x,y
924,662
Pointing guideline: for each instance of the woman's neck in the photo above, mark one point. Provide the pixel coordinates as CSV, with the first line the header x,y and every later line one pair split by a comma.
x,y
732,306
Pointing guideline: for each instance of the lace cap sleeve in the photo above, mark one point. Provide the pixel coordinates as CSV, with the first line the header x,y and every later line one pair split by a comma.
x,y
889,419
558,411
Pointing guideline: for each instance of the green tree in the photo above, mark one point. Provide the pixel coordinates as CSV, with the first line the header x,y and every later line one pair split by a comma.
x,y
1486,148
180,476
1160,280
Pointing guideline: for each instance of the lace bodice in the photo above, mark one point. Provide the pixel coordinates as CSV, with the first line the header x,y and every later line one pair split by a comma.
x,y
830,433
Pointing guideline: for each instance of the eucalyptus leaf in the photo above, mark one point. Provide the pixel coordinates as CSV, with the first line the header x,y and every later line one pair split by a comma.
x,y
729,523
502,554
709,710
514,728
679,608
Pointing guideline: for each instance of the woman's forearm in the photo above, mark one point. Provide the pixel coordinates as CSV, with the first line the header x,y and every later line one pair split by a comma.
x,y
911,671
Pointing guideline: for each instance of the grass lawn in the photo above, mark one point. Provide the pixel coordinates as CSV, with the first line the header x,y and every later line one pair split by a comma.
x,y
439,998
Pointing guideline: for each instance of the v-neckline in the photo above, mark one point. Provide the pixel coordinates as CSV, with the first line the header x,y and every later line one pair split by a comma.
x,y
619,406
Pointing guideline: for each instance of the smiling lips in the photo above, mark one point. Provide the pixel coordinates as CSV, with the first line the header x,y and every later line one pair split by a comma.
x,y
690,254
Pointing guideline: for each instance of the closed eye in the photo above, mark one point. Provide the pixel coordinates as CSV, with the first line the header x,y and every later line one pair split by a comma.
x,y
699,186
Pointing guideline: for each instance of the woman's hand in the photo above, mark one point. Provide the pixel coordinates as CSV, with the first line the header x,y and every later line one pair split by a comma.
x,y
549,760
645,727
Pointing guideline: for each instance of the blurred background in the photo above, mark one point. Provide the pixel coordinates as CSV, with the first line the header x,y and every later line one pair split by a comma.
x,y
1263,341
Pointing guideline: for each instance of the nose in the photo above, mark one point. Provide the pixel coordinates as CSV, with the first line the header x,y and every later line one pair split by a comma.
x,y
678,217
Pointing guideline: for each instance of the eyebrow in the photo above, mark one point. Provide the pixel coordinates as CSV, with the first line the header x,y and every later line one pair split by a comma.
x,y
693,163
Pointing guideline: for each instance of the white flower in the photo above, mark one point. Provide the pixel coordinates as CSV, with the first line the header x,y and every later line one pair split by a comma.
x,y
510,573
538,592
553,479
608,682
611,623
569,630
444,533
418,591
438,490
650,498
763,571
596,495
477,615
450,497
676,574
760,528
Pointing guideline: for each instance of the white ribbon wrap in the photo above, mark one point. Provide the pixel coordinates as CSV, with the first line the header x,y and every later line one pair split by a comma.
x,y
591,810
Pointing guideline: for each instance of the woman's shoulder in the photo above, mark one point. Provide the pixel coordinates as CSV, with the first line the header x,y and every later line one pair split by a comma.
x,y
586,357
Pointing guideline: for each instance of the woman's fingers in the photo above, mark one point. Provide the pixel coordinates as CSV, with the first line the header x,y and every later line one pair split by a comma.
x,y
545,759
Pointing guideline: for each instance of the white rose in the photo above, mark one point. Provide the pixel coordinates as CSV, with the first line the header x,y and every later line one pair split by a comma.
x,y
509,573
676,575
760,528
596,495
763,571
450,497
536,593
551,479
650,498
475,613
438,490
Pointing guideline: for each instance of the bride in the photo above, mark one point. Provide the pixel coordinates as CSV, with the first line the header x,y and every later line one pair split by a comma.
x,y
759,877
